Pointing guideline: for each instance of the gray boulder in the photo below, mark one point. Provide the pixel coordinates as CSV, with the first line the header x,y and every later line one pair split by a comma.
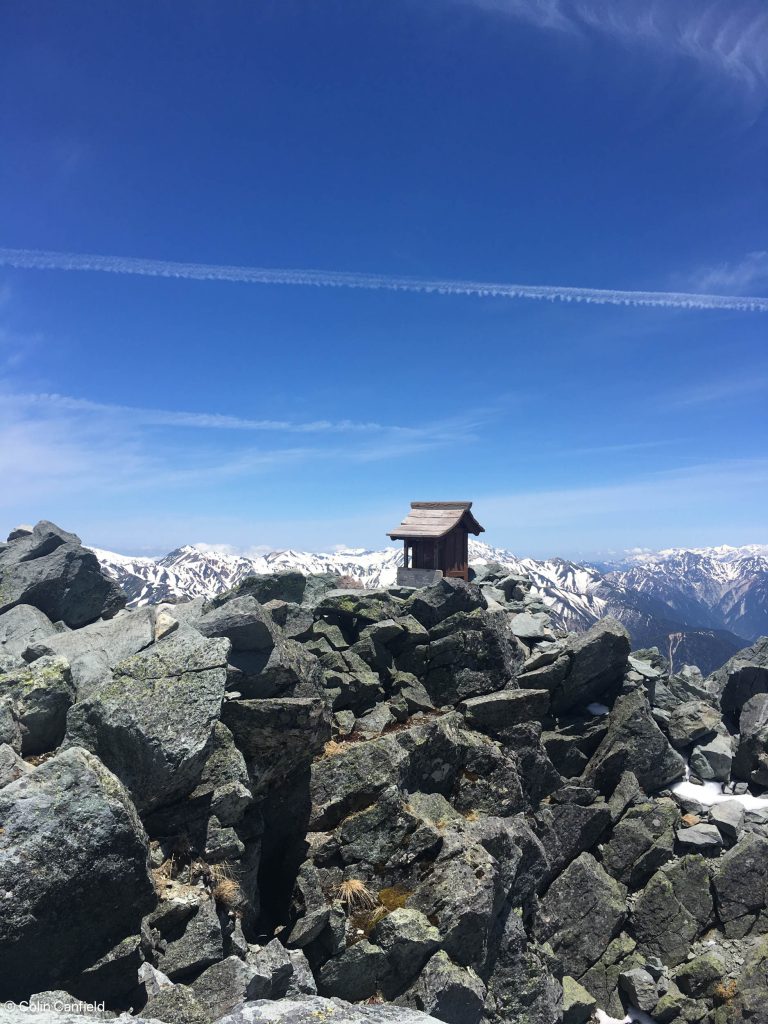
x,y
578,1003
640,988
11,765
597,662
635,743
433,604
42,694
713,760
451,993
51,570
673,909
153,724
278,735
73,868
496,712
470,655
728,816
175,1005
21,626
582,911
243,621
110,640
691,721
744,676
642,841
231,981
699,837
751,760
409,940
194,946
740,882
310,1009
354,974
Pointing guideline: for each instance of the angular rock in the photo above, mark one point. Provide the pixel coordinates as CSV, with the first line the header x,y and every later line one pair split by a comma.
x,y
698,977
744,676
73,867
199,945
223,985
581,912
635,743
528,626
713,760
51,570
740,882
598,660
113,639
642,841
578,1004
42,694
751,760
640,987
728,816
175,1005
431,605
673,909
243,621
470,655
11,765
452,993
153,724
699,837
691,721
21,626
277,735
354,974
409,940
311,1009
496,712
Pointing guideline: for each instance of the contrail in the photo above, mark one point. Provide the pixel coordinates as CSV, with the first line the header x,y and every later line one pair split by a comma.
x,y
33,259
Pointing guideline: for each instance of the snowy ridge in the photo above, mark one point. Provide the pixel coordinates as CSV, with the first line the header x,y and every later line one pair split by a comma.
x,y
717,597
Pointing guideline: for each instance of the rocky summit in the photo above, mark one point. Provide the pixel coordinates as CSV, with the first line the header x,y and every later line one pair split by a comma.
x,y
297,803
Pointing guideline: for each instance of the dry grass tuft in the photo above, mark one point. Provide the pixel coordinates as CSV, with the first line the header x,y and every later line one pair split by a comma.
x,y
355,895
228,893
332,747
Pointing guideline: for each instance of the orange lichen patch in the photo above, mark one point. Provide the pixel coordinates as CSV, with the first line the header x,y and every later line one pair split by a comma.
x,y
725,991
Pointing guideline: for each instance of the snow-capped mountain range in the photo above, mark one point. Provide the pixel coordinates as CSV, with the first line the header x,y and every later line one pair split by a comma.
x,y
717,598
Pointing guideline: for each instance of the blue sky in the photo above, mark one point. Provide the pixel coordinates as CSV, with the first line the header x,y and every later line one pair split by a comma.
x,y
605,145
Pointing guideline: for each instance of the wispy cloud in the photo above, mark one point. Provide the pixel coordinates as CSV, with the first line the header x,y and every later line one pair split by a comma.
x,y
685,505
55,444
725,37
741,276
718,390
32,259
201,420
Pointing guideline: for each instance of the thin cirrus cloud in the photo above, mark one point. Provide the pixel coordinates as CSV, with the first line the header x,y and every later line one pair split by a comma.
x,y
201,420
725,37
33,259
739,276
51,444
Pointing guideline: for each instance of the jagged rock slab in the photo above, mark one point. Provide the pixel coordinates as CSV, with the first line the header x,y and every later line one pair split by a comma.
x,y
51,570
311,1009
152,724
73,871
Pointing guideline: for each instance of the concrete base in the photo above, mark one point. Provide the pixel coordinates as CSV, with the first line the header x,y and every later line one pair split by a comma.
x,y
418,577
